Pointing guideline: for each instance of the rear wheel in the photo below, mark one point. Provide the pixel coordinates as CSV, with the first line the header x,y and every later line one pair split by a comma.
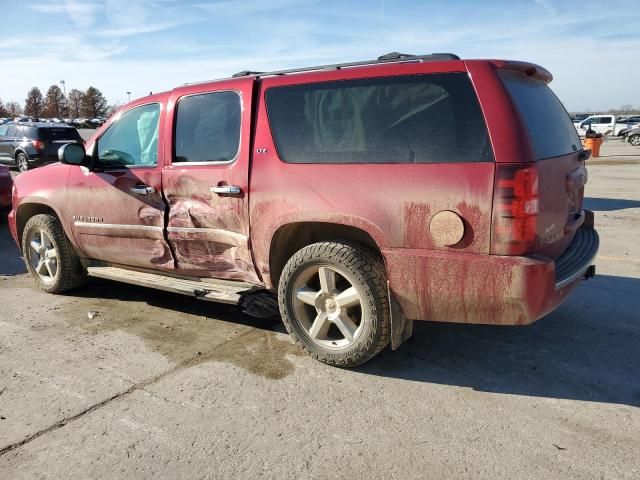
x,y
49,257
333,300
635,140
22,162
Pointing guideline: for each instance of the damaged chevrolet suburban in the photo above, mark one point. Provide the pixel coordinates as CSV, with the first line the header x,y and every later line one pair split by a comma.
x,y
351,198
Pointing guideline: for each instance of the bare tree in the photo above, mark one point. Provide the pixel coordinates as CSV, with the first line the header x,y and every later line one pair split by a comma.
x,y
74,102
34,103
55,104
94,105
111,109
14,109
3,110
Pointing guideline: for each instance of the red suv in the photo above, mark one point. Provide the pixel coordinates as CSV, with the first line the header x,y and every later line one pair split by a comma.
x,y
355,197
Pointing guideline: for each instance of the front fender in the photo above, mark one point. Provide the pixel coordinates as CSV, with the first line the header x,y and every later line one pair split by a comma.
x,y
41,191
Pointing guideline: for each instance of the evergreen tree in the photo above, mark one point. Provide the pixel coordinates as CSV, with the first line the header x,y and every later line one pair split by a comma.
x,y
55,104
94,105
34,103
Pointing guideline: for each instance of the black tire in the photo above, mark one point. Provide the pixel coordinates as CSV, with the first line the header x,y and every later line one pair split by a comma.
x,y
634,140
22,162
69,273
365,271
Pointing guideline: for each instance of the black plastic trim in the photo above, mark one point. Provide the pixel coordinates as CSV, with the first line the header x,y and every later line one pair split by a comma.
x,y
577,259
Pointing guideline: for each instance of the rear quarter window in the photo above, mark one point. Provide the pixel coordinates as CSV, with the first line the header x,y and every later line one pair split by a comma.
x,y
403,119
550,127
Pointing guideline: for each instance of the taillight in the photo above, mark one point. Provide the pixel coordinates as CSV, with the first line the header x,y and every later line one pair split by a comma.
x,y
38,144
515,210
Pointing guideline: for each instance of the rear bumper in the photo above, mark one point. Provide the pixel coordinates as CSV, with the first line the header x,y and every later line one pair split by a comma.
x,y
488,289
573,264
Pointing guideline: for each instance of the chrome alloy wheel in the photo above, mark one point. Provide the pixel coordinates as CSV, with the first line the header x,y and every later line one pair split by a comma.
x,y
328,307
23,162
43,256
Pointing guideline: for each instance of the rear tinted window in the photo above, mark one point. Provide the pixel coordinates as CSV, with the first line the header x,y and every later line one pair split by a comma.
x,y
53,134
549,124
409,119
208,127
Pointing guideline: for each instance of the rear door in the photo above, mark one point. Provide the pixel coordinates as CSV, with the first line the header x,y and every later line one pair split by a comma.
x,y
4,147
207,184
604,124
9,140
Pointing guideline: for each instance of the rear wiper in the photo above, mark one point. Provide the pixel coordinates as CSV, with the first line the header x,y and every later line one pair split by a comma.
x,y
584,155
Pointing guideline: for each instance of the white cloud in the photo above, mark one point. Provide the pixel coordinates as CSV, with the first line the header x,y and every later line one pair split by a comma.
x,y
220,38
548,6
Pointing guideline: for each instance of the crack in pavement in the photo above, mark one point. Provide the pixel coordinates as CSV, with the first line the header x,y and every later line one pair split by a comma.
x,y
191,361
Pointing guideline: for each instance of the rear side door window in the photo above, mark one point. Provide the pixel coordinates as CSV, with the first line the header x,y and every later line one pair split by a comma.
x,y
12,132
208,128
429,118
132,140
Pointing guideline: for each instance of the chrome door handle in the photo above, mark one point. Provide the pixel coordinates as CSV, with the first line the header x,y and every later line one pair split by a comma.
x,y
142,190
226,190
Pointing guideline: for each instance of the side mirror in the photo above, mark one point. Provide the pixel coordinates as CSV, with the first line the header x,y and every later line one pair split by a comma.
x,y
72,154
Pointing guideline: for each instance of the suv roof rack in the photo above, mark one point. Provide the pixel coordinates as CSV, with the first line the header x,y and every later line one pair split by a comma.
x,y
391,57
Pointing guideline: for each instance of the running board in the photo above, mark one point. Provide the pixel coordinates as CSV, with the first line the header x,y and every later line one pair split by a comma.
x,y
213,292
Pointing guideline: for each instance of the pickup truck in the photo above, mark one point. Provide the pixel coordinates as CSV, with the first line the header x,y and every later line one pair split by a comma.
x,y
606,124
352,199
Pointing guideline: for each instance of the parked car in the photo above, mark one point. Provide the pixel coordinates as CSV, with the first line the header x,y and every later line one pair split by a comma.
x,y
30,145
633,136
632,122
6,183
356,197
605,124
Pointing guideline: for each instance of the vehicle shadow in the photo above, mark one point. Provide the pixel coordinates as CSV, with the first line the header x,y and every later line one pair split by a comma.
x,y
588,349
609,204
100,289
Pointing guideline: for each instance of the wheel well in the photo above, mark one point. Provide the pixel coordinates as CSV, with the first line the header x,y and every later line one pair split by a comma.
x,y
25,212
290,238
18,152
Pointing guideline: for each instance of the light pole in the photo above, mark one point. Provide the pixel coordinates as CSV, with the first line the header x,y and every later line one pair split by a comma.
x,y
129,95
64,87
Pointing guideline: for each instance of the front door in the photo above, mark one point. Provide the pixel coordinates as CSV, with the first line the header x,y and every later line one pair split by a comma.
x,y
207,183
117,209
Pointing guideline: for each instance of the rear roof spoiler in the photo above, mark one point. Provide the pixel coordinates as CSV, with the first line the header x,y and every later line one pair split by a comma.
x,y
529,69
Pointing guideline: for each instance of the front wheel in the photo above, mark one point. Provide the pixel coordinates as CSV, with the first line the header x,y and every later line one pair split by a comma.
x,y
22,162
333,300
635,140
49,257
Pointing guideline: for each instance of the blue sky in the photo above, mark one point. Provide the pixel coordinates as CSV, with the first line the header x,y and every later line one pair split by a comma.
x,y
153,45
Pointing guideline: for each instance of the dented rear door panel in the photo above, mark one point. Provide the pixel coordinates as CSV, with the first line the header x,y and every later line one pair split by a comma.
x,y
209,232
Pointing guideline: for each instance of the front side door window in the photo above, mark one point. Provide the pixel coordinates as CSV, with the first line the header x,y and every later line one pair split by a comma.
x,y
132,140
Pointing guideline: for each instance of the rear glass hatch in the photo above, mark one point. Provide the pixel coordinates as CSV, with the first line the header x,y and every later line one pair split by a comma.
x,y
560,165
55,137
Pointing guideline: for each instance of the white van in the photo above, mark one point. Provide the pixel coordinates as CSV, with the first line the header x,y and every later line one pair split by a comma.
x,y
606,124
